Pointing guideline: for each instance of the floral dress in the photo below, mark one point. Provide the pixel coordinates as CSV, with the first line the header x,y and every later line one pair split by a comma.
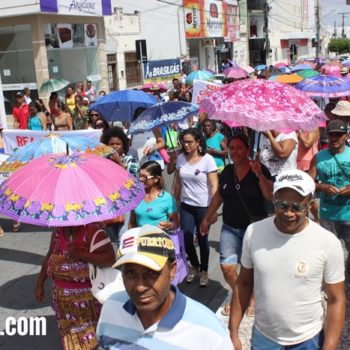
x,y
77,311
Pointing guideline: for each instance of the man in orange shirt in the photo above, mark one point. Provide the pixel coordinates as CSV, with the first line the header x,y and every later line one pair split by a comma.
x,y
20,112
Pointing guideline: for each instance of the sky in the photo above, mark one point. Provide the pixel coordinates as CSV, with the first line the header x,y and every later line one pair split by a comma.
x,y
329,12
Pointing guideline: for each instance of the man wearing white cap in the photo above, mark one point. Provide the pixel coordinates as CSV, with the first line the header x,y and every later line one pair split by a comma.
x,y
153,314
287,259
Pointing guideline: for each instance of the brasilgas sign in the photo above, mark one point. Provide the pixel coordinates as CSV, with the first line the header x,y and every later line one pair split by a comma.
x,y
161,70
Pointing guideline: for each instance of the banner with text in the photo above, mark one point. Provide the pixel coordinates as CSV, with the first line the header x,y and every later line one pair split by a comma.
x,y
77,7
156,71
203,89
15,138
205,18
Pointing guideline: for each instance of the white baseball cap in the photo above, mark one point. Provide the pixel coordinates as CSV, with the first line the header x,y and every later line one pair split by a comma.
x,y
297,180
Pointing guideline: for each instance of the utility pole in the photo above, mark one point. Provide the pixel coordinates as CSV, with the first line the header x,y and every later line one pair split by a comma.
x,y
266,31
318,29
335,30
343,35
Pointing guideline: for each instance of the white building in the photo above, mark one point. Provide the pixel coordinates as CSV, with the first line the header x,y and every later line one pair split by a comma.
x,y
291,28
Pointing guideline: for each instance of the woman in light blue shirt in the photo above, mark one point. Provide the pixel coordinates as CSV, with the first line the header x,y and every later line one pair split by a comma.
x,y
37,119
158,208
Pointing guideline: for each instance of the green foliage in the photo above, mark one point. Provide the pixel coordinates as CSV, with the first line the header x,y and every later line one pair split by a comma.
x,y
339,46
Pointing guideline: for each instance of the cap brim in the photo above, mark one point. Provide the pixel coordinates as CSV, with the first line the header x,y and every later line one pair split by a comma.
x,y
151,261
300,191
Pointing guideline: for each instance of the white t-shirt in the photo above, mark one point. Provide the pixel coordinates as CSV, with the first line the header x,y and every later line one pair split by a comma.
x,y
195,187
273,163
288,273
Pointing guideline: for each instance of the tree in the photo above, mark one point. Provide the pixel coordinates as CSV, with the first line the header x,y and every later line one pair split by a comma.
x,y
339,46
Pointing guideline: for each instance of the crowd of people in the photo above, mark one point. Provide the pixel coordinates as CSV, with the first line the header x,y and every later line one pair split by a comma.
x,y
285,240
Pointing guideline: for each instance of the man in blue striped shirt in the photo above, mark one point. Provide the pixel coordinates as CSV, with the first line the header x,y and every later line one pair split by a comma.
x,y
153,314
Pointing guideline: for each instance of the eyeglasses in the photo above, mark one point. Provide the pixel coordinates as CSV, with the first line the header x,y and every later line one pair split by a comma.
x,y
294,206
145,177
187,142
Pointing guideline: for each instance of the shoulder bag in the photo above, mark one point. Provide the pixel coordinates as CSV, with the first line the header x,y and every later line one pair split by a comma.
x,y
237,187
104,280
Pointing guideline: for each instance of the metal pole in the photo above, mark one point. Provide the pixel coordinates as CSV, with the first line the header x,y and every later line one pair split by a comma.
x,y
318,29
141,62
266,30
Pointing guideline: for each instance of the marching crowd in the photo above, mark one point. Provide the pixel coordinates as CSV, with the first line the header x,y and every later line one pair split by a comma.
x,y
283,212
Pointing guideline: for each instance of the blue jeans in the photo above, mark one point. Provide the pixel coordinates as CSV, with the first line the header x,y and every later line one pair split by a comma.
x,y
190,218
260,342
231,241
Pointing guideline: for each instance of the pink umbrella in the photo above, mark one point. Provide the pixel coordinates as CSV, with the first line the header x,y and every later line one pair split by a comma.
x,y
60,190
235,73
263,105
154,87
280,65
331,69
248,69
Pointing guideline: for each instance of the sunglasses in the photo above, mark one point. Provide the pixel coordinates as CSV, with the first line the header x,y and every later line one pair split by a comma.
x,y
145,177
293,206
94,114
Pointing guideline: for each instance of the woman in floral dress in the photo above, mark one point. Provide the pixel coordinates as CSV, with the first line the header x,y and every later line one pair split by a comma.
x,y
66,263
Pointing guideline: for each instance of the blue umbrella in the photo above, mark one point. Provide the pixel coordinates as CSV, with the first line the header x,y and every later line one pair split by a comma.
x,y
162,114
199,75
300,67
261,67
325,86
121,105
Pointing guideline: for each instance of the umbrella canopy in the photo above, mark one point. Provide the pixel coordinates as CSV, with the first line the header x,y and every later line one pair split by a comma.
x,y
307,73
260,67
161,87
162,114
121,105
331,69
235,73
310,63
280,65
51,144
199,75
346,63
53,85
300,67
79,189
325,86
248,69
263,105
288,78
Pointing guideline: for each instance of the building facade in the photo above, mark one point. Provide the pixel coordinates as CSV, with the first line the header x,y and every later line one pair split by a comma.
x,y
49,39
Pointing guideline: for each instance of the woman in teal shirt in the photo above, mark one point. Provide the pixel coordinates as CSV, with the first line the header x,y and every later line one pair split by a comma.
x,y
158,208
37,119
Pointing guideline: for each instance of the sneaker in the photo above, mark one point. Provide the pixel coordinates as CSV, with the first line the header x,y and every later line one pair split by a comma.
x,y
192,274
203,279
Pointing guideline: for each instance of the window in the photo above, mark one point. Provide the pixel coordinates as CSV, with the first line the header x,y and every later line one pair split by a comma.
x,y
132,69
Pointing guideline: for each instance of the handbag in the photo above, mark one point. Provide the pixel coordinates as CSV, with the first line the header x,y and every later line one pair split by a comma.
x,y
104,280
252,218
177,236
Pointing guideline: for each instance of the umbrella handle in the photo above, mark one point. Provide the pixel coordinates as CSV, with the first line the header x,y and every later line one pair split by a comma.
x,y
67,148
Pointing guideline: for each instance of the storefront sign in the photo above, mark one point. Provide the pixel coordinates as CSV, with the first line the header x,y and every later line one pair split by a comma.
x,y
205,18
15,138
77,7
155,71
18,87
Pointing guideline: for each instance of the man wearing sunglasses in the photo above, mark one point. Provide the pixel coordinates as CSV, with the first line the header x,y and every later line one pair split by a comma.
x,y
287,260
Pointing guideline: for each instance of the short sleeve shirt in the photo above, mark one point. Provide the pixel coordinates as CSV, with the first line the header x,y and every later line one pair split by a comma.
x,y
195,188
154,212
275,164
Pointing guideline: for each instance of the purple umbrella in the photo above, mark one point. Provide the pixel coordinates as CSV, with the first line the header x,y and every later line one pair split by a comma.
x,y
325,86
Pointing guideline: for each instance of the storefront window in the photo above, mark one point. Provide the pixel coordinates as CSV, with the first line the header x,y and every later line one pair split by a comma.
x,y
16,61
72,52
